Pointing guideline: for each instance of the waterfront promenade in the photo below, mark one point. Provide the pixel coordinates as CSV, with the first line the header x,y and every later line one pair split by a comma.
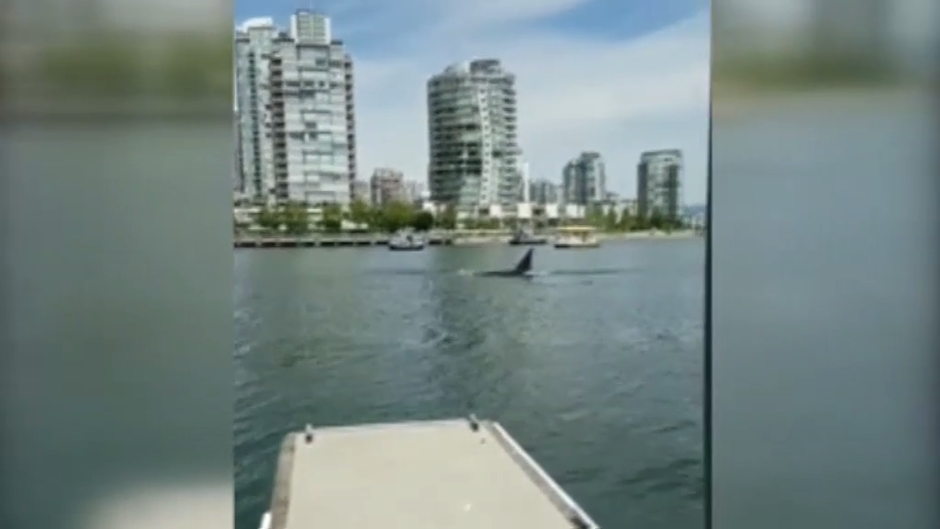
x,y
324,240
436,238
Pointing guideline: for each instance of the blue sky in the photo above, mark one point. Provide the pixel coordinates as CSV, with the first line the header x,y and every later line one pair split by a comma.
x,y
616,76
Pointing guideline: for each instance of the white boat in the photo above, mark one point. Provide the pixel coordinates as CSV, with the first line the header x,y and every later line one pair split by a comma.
x,y
572,237
406,241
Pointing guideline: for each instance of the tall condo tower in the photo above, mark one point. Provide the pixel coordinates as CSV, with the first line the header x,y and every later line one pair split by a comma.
x,y
472,134
526,194
584,179
659,183
295,100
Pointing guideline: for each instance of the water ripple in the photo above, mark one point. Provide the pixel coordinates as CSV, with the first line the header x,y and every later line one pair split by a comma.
x,y
599,379
681,475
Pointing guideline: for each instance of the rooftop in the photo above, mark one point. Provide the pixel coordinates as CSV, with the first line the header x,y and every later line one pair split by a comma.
x,y
453,474
677,153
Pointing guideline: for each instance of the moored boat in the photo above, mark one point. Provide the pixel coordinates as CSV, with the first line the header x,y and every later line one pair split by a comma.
x,y
523,237
573,237
406,241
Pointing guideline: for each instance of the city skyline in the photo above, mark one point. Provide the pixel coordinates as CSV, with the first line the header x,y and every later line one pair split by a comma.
x,y
660,182
570,99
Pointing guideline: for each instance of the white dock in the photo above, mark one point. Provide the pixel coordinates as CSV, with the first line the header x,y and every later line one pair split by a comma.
x,y
454,474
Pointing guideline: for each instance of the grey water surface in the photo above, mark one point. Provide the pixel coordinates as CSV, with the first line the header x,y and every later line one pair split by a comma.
x,y
594,365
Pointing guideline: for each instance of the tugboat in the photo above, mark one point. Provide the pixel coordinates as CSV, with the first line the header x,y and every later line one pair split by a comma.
x,y
523,237
406,242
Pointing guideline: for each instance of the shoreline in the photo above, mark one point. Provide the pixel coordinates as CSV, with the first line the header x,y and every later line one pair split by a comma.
x,y
442,238
649,234
491,240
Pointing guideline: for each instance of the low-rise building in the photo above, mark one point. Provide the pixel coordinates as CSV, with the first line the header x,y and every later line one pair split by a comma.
x,y
387,186
361,191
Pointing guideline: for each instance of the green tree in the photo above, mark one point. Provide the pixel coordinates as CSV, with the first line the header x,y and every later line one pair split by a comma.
x,y
296,218
626,221
423,221
672,223
332,220
610,223
595,215
657,220
641,223
268,219
398,215
488,224
448,220
376,218
361,213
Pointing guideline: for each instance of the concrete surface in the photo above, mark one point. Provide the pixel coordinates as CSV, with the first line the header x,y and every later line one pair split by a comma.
x,y
425,475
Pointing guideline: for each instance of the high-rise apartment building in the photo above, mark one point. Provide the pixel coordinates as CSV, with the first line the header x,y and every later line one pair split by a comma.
x,y
543,192
524,182
310,27
387,186
295,99
238,171
584,180
473,139
252,47
659,183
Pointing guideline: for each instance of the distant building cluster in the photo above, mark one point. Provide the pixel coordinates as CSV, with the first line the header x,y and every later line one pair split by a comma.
x,y
362,191
296,136
584,180
584,183
543,192
387,186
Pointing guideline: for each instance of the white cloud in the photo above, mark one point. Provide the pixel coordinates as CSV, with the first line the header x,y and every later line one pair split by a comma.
x,y
575,93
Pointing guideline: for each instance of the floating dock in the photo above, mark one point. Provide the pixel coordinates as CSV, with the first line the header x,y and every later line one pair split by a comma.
x,y
452,474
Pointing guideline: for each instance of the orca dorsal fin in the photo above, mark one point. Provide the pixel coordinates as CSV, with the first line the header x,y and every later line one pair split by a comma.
x,y
525,264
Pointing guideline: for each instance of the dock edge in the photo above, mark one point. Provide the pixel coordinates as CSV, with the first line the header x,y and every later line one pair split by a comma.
x,y
276,517
563,502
